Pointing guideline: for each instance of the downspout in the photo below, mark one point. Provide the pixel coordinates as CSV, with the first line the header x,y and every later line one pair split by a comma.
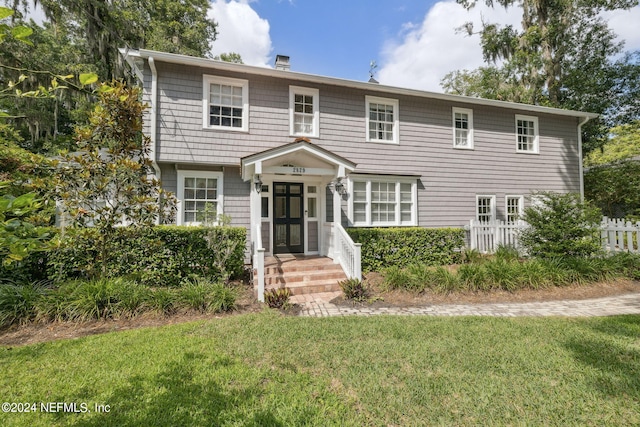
x,y
154,116
586,119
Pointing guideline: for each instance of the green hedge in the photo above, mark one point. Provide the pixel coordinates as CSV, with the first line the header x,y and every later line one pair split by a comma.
x,y
157,256
386,247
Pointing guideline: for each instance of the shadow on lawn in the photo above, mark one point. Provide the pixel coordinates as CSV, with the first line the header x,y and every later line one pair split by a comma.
x,y
618,363
180,401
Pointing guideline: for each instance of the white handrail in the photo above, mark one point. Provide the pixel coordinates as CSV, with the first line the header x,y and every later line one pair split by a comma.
x,y
258,261
347,252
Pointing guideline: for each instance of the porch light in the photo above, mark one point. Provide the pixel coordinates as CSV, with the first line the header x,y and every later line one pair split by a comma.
x,y
258,183
340,188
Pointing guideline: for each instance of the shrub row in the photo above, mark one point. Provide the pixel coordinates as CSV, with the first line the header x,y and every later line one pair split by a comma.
x,y
108,298
401,247
155,256
513,274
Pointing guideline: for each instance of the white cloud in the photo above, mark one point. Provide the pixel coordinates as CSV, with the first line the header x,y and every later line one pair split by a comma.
x,y
625,24
425,53
241,30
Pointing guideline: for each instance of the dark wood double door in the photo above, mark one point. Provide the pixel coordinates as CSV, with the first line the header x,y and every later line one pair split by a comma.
x,y
288,223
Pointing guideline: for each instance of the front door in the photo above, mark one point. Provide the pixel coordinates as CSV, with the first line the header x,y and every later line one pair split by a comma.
x,y
288,207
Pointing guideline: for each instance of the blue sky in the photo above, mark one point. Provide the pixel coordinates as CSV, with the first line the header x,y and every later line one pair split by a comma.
x,y
414,42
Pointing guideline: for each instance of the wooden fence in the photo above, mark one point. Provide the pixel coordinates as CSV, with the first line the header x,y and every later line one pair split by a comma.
x,y
617,235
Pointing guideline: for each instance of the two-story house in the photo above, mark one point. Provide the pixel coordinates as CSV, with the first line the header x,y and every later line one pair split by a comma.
x,y
294,157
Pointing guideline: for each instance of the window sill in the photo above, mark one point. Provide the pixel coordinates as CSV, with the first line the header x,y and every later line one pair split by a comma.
x,y
380,141
225,129
463,148
527,152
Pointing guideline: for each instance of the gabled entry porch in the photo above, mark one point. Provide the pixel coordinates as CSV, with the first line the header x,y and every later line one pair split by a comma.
x,y
289,201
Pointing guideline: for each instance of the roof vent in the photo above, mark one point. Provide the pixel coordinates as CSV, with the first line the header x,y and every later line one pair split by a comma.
x,y
282,63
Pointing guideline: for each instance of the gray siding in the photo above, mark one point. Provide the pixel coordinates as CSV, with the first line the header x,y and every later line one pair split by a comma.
x,y
450,178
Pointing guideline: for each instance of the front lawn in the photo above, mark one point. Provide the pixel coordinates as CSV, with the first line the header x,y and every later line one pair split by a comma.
x,y
264,369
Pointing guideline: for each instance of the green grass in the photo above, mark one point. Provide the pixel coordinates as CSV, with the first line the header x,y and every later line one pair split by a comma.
x,y
267,370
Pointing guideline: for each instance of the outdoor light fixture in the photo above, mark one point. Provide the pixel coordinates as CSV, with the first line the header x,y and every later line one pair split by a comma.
x,y
258,183
339,187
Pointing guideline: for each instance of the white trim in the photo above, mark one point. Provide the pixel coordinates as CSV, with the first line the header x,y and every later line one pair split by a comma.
x,y
398,181
315,93
492,205
207,80
173,58
182,174
396,118
469,113
536,131
506,205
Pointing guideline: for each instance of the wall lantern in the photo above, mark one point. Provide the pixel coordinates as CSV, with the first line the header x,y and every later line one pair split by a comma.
x,y
258,183
340,187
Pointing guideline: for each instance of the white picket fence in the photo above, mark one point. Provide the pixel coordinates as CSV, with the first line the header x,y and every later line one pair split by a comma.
x,y
617,235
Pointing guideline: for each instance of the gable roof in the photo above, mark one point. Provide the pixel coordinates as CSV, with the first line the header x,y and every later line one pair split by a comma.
x,y
131,55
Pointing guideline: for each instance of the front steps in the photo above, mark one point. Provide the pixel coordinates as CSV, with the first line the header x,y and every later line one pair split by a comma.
x,y
302,274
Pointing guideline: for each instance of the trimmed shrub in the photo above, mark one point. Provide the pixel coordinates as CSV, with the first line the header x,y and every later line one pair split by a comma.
x,y
385,247
561,226
155,256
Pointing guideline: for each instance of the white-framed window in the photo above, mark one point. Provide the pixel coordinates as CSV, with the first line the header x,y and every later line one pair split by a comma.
x,y
485,208
527,136
265,202
462,128
382,120
225,103
312,202
304,111
513,208
199,197
383,201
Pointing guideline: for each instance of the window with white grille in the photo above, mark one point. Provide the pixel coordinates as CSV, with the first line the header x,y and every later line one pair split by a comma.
x,y
226,103
199,196
527,134
462,128
380,202
485,208
382,120
513,208
304,111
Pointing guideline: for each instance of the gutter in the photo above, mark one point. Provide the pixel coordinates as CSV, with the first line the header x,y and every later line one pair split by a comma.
x,y
581,168
154,116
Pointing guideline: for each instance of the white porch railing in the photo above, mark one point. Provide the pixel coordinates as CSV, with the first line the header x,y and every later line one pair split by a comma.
x,y
258,261
616,235
620,235
347,252
487,236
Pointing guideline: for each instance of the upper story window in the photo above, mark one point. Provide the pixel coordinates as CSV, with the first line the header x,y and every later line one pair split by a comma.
x,y
383,201
527,134
462,128
200,197
304,111
226,103
382,120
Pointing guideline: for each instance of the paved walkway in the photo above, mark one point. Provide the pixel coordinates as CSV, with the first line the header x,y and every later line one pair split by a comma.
x,y
318,305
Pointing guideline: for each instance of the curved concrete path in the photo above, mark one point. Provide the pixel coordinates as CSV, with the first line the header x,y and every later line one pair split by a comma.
x,y
319,306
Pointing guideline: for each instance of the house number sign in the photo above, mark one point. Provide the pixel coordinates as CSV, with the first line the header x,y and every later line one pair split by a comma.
x,y
296,169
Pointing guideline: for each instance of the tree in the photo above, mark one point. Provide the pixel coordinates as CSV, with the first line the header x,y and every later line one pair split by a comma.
x,y
561,225
623,143
107,182
229,57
